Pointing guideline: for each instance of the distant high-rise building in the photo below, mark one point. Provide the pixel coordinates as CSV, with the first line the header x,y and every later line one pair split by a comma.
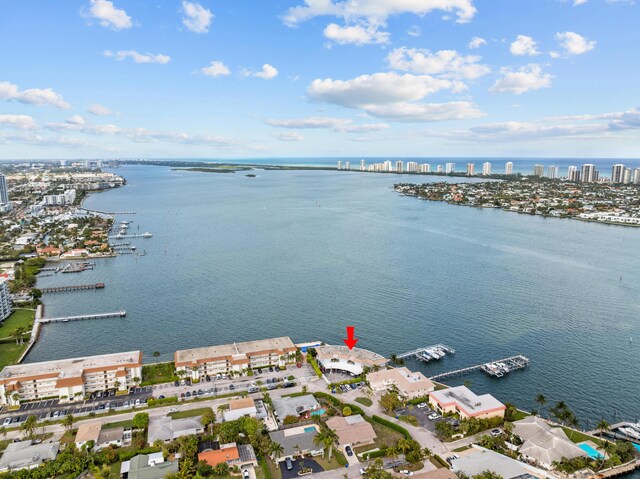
x,y
5,300
573,174
412,167
347,166
363,165
4,190
486,168
508,168
617,173
538,170
470,168
636,176
553,172
63,162
399,166
589,173
450,168
439,169
425,168
387,166
627,177
339,165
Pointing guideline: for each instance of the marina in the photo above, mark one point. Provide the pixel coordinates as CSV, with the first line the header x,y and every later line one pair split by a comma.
x,y
507,365
428,353
65,319
77,267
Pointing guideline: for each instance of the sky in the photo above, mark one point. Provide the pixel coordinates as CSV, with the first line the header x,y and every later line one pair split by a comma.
x,y
319,78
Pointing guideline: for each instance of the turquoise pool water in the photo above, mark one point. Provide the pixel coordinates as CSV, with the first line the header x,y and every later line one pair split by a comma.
x,y
637,446
318,412
309,429
593,454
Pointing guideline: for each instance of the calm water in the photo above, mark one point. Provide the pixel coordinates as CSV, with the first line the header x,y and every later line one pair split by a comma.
x,y
306,253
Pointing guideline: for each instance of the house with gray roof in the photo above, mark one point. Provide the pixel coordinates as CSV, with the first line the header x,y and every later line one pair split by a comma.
x,y
25,455
297,441
148,466
166,429
299,406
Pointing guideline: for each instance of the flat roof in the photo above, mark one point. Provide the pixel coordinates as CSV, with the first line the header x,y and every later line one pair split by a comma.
x,y
467,400
357,355
72,367
246,348
403,378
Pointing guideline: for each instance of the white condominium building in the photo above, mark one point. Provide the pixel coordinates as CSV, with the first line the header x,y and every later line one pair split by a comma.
x,y
508,168
486,168
69,379
450,168
538,170
425,168
4,191
67,198
235,357
363,165
412,167
589,173
553,172
5,300
617,173
470,168
399,166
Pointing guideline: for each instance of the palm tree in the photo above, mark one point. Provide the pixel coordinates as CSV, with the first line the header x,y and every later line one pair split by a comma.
x,y
393,452
16,398
29,426
117,384
305,389
276,450
602,426
208,418
541,400
68,422
404,445
136,381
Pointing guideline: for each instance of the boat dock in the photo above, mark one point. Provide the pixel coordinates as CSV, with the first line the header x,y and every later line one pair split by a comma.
x,y
116,314
77,267
143,235
80,287
428,353
512,363
109,212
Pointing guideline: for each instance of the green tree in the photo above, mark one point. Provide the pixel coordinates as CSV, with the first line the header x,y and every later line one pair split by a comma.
x,y
346,411
208,418
541,401
390,402
29,426
68,421
602,426
221,469
276,450
487,475
141,420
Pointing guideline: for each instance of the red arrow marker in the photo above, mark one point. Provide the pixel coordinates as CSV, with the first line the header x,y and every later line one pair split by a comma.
x,y
350,341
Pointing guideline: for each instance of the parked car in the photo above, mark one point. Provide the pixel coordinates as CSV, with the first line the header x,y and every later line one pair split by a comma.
x,y
200,392
433,416
270,369
188,394
259,372
452,458
208,378
245,474
422,405
161,396
6,422
176,383
173,409
406,472
496,432
231,386
348,450
363,470
137,402
288,464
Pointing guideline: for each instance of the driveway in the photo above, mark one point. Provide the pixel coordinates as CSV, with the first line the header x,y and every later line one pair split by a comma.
x,y
293,473
353,459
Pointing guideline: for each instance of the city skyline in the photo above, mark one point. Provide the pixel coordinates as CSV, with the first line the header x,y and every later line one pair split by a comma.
x,y
207,80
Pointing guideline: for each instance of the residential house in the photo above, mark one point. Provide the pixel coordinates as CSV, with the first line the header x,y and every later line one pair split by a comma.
x,y
409,384
352,430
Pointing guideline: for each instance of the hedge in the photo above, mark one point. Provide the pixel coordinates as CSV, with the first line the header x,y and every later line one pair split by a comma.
x,y
355,409
373,454
440,461
127,455
158,402
314,365
417,401
392,425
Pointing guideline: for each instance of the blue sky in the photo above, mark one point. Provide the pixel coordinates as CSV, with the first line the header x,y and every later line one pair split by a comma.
x,y
256,78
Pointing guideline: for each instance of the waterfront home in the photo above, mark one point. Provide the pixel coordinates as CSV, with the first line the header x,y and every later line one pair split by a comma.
x,y
244,407
166,429
231,454
352,430
466,403
25,455
301,407
543,444
352,361
235,357
297,441
409,384
69,379
148,466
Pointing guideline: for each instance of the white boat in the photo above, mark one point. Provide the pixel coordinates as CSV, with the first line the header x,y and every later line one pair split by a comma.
x,y
147,235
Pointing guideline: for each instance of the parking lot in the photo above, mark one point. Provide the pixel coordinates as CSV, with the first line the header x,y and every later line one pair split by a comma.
x,y
422,415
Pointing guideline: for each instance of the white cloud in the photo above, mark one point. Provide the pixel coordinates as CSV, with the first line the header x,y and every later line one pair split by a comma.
x,y
393,96
529,77
579,2
356,34
32,96
290,136
138,57
108,15
75,120
19,122
574,44
524,46
342,125
414,31
448,63
196,17
477,42
215,69
267,73
554,54
100,110
376,11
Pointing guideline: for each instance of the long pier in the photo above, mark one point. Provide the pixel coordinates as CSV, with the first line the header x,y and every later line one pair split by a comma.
x,y
513,363
79,287
109,212
64,319
119,236
416,352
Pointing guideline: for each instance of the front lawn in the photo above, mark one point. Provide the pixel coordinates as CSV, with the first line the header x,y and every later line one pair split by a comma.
x,y
364,401
114,425
189,413
386,436
577,436
329,465
20,317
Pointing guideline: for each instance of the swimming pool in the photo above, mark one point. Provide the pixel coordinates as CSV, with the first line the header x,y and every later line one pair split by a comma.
x,y
310,429
593,454
637,446
319,412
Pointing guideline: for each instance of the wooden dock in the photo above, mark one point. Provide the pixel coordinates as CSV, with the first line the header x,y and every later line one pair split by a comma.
x,y
417,351
79,287
519,362
65,319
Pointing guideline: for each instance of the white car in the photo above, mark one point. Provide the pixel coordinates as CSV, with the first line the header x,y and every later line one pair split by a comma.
x,y
433,416
422,405
245,474
406,472
6,421
173,409
363,470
